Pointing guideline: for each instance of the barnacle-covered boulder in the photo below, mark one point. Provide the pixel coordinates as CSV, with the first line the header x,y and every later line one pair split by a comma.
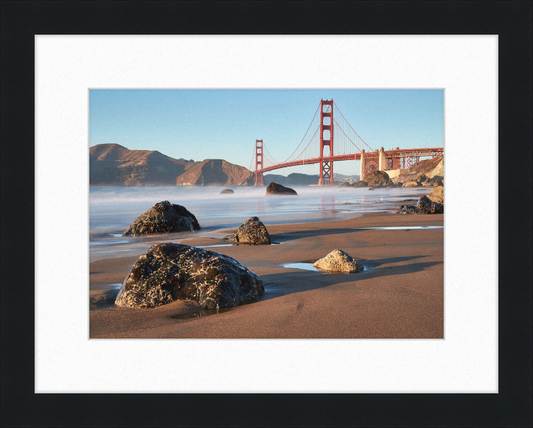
x,y
339,262
251,232
278,189
163,217
168,272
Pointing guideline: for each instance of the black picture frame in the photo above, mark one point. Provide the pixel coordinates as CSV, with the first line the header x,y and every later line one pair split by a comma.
x,y
510,20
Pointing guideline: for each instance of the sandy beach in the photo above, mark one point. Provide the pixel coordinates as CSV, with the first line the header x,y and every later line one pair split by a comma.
x,y
398,295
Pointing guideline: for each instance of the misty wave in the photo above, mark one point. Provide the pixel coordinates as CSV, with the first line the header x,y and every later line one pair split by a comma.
x,y
113,209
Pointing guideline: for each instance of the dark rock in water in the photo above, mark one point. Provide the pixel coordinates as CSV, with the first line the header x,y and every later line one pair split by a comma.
x,y
360,184
226,191
252,232
278,189
423,206
377,179
407,209
427,206
168,272
163,217
346,184
371,188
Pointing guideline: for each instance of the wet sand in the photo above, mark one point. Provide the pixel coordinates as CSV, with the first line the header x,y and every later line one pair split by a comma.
x,y
398,295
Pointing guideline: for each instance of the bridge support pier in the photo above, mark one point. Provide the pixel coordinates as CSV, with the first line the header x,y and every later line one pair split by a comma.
x,y
383,162
326,127
258,162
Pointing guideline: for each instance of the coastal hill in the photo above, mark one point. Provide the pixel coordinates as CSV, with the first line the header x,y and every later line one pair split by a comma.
x,y
215,172
112,164
115,165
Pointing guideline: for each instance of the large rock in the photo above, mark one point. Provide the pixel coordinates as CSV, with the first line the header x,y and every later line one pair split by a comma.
x,y
163,217
252,232
278,189
338,262
168,272
423,206
360,184
377,179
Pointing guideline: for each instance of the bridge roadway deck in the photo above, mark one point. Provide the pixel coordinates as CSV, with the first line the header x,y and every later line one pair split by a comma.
x,y
389,153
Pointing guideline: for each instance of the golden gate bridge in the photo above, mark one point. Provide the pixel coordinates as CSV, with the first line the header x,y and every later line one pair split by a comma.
x,y
333,139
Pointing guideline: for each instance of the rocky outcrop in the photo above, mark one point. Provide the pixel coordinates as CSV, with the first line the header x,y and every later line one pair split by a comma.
x,y
278,189
377,179
423,206
168,272
212,172
374,180
437,195
163,217
426,173
423,181
438,171
411,183
251,232
338,262
227,192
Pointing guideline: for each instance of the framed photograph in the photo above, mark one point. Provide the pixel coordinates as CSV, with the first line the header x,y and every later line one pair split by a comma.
x,y
411,333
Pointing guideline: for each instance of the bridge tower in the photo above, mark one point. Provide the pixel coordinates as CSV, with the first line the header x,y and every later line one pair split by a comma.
x,y
326,125
258,162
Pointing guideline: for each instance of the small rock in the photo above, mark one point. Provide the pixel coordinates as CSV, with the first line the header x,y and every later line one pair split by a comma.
x,y
251,232
278,189
338,262
226,191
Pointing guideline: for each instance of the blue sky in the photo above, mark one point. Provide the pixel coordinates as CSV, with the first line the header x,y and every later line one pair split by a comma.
x,y
224,124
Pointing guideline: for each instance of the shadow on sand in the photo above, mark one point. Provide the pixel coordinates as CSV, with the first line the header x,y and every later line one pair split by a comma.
x,y
282,284
291,236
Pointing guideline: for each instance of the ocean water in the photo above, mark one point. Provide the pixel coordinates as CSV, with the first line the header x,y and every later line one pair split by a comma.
x,y
113,209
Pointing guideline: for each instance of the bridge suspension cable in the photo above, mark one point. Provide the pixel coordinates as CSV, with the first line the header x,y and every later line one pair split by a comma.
x,y
306,132
268,157
252,162
348,123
